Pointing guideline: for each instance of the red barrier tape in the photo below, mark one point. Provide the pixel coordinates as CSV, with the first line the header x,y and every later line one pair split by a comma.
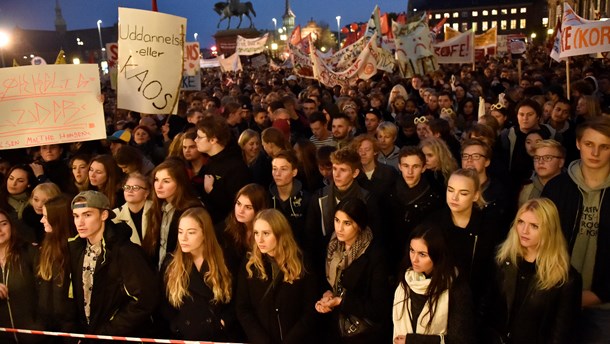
x,y
94,336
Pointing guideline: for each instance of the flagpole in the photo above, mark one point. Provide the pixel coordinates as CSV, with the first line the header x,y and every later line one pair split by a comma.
x,y
568,77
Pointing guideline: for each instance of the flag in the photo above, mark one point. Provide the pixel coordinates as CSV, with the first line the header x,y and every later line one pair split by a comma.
x,y
295,37
438,26
386,30
154,6
61,58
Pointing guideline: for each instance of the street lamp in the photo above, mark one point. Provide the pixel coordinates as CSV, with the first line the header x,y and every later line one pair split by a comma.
x,y
339,31
99,31
196,35
4,41
274,27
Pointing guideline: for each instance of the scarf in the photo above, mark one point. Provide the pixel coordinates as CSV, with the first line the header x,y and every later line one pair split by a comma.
x,y
418,284
18,202
338,258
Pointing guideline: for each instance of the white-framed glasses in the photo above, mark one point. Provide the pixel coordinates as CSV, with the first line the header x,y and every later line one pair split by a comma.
x,y
133,187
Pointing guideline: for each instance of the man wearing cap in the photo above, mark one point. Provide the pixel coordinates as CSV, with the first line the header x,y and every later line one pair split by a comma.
x,y
119,138
111,280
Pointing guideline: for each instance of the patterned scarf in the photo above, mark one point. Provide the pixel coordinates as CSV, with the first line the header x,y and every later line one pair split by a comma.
x,y
338,258
92,254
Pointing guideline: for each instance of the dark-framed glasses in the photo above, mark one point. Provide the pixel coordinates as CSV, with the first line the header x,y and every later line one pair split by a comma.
x,y
545,158
474,156
133,187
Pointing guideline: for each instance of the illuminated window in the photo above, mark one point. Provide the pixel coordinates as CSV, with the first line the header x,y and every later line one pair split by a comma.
x,y
455,26
513,11
475,26
475,13
545,22
429,16
523,10
494,12
484,26
502,24
513,24
522,23
464,26
504,11
456,14
485,13
437,16
494,24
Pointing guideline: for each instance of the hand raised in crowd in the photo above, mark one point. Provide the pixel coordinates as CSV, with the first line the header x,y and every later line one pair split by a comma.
x,y
208,183
37,169
3,291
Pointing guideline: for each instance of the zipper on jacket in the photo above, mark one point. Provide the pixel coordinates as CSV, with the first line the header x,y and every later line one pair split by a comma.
x,y
279,323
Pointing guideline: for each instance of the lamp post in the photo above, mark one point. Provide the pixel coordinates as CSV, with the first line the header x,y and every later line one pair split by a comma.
x,y
196,35
4,41
339,31
99,31
274,27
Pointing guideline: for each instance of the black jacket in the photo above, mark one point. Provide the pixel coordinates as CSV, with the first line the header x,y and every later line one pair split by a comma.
x,y
124,294
544,316
198,318
56,309
279,313
230,174
367,295
294,208
567,197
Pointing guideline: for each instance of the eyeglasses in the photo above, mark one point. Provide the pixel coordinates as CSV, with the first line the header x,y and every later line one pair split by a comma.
x,y
497,106
133,187
545,158
422,119
474,156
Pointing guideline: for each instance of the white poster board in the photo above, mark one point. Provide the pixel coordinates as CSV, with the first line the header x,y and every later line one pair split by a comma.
x,y
50,104
191,75
151,48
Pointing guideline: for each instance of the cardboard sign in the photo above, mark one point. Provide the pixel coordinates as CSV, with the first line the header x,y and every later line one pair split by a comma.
x,y
191,76
459,49
50,104
151,48
250,46
584,39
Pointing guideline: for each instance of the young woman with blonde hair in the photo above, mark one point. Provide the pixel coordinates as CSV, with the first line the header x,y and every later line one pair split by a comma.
x,y
440,163
275,291
197,283
536,297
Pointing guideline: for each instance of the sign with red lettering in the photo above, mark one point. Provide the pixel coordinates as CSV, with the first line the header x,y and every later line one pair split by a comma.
x,y
584,39
50,104
459,49
150,61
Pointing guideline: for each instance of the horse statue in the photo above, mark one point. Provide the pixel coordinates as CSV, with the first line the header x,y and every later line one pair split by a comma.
x,y
239,9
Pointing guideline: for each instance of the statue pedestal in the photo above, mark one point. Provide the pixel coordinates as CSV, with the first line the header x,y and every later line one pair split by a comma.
x,y
226,40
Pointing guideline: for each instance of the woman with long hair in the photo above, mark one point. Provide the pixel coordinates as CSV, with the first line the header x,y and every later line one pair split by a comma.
x,y
275,289
53,270
432,301
536,295
105,176
472,233
308,173
357,294
274,141
252,152
32,214
171,198
440,163
134,212
237,235
18,280
197,283
79,164
16,189
587,107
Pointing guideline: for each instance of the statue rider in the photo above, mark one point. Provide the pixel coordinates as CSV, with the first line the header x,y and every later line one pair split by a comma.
x,y
233,6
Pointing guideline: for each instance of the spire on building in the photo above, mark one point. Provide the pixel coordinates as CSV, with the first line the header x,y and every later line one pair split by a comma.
x,y
288,18
60,23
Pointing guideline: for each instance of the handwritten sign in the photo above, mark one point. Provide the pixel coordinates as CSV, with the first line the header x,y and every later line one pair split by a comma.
x,y
250,46
459,49
589,38
50,104
191,76
151,48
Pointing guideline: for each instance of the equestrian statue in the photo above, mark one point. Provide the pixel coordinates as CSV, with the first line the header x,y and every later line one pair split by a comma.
x,y
234,8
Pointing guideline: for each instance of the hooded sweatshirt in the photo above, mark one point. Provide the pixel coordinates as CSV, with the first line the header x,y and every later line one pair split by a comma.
x,y
585,245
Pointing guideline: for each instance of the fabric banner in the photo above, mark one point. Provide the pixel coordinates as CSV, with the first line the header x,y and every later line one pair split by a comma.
x,y
414,51
230,64
459,49
250,46
301,62
485,40
580,36
259,61
570,18
209,63
151,49
50,104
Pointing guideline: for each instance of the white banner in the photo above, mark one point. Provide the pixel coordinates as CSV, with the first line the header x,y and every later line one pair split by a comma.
x,y
151,48
459,49
250,46
209,63
584,39
50,104
414,48
191,76
569,18
230,64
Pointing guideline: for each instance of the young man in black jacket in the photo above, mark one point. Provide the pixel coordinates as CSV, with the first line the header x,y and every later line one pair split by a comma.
x,y
583,199
111,279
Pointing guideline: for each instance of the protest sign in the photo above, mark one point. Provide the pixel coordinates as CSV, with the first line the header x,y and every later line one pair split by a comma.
x,y
191,76
583,39
151,48
230,64
459,49
259,61
250,46
50,104
112,56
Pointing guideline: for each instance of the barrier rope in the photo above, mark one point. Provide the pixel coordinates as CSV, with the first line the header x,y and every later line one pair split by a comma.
x,y
103,337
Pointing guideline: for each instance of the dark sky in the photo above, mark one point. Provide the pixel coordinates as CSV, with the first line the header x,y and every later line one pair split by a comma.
x,y
79,14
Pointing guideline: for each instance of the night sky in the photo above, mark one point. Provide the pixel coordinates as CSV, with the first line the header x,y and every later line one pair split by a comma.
x,y
80,14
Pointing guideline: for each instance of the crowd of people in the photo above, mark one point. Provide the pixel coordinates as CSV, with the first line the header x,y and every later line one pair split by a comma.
x,y
272,209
